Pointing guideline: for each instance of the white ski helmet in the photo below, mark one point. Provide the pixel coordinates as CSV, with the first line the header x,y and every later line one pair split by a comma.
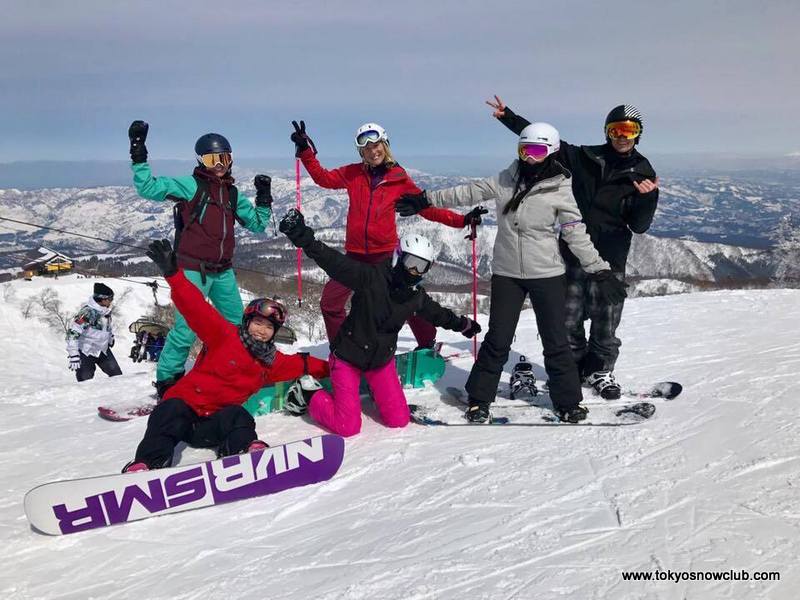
x,y
541,133
416,246
370,132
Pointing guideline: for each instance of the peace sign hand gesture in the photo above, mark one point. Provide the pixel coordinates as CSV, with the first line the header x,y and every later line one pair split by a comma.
x,y
499,107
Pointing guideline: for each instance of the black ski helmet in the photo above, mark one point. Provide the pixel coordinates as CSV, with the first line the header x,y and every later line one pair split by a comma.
x,y
625,112
211,143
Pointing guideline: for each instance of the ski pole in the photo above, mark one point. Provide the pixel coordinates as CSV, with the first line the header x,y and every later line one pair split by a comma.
x,y
474,236
299,251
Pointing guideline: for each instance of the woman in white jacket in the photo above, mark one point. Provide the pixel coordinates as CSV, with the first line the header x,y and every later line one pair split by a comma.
x,y
90,337
534,205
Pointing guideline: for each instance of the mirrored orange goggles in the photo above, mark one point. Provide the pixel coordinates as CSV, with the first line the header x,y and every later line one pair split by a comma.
x,y
216,158
628,130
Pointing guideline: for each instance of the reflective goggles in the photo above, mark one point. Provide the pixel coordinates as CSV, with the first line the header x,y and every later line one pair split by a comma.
x,y
628,130
210,161
267,308
368,137
535,151
415,263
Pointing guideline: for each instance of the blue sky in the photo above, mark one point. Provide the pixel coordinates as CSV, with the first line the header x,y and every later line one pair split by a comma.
x,y
710,76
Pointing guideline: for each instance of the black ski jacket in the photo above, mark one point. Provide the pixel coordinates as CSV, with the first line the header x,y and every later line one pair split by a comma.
x,y
378,309
602,184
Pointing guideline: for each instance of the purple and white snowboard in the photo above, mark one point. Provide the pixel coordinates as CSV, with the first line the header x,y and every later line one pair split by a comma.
x,y
77,505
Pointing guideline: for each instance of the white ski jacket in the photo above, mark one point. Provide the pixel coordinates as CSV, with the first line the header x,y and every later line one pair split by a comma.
x,y
90,330
526,246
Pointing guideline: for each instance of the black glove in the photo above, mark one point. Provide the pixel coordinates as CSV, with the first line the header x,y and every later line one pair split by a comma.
x,y
469,328
293,224
160,252
411,204
301,139
610,290
137,134
263,185
473,217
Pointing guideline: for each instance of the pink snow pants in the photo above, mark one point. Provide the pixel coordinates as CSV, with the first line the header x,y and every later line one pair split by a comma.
x,y
340,412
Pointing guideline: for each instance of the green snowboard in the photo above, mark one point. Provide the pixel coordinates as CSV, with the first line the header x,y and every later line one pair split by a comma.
x,y
413,368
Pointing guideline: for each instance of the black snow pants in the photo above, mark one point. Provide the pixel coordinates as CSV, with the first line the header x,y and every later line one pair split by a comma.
x,y
547,297
230,430
106,362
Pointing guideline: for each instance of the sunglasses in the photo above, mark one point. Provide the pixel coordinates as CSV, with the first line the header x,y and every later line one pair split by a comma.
x,y
368,137
535,151
628,130
210,161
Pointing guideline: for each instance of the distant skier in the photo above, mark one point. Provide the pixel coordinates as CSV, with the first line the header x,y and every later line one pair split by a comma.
x,y
373,186
616,190
204,409
206,206
385,295
90,337
533,199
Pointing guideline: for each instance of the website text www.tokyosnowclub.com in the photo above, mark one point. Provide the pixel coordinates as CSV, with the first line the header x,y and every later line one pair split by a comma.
x,y
678,576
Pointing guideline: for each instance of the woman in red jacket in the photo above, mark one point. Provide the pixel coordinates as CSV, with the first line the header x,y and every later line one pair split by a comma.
x,y
204,408
373,186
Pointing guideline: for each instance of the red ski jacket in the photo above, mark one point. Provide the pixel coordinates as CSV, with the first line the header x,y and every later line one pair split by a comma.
x,y
371,226
226,373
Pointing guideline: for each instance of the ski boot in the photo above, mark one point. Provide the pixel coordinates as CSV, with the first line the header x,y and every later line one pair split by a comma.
x,y
604,384
299,395
478,412
522,379
135,467
572,415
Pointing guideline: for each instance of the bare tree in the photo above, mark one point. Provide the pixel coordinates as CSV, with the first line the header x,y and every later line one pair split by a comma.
x,y
51,311
787,251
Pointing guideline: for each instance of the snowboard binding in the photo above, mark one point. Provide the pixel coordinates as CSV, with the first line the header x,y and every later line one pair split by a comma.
x,y
523,380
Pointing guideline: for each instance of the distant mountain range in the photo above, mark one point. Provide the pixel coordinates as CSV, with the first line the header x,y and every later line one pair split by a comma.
x,y
741,210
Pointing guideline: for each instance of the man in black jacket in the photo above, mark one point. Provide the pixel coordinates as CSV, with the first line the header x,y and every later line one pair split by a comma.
x,y
384,296
616,190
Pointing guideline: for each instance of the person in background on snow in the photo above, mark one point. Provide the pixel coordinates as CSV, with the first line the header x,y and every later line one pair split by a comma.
x,y
385,295
90,338
373,186
616,190
204,409
533,199
206,206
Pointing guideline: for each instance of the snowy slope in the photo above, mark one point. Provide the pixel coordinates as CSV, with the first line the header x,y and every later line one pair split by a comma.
x,y
424,513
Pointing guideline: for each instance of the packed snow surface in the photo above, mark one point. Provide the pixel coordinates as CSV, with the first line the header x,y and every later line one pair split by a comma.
x,y
710,484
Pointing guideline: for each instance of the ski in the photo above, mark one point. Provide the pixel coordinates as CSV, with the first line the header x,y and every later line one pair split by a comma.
x,y
77,505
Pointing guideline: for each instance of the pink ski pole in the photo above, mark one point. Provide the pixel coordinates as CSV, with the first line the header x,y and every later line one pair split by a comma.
x,y
299,251
474,236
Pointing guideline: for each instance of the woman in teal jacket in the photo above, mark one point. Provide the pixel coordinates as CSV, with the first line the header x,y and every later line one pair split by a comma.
x,y
206,206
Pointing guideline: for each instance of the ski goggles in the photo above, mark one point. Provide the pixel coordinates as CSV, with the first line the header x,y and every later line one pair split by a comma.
x,y
415,263
628,130
103,296
535,151
368,137
267,308
210,161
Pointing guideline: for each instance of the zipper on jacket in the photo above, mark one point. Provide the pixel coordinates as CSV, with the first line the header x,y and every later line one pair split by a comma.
x,y
366,222
224,224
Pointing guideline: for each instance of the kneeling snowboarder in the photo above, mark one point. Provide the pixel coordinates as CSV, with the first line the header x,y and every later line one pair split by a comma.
x,y
385,295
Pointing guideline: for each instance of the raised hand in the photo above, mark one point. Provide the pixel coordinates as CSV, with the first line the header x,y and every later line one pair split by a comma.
x,y
161,253
137,134
499,107
300,138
